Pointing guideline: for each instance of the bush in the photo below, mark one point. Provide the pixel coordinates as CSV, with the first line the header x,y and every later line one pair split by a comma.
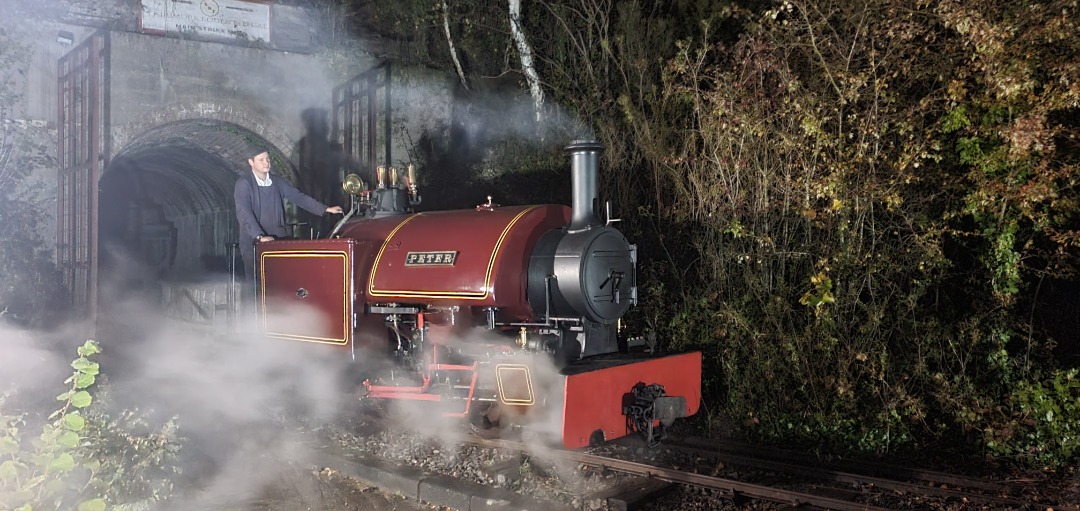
x,y
82,460
856,202
1043,426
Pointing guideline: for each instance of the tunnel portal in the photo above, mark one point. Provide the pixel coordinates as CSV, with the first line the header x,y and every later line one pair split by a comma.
x,y
152,133
166,218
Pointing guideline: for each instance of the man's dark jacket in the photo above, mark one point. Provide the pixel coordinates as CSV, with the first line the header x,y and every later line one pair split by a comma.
x,y
257,219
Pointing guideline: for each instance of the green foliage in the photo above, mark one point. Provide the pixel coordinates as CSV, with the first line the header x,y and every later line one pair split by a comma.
x,y
820,294
81,460
1045,426
47,474
137,459
913,186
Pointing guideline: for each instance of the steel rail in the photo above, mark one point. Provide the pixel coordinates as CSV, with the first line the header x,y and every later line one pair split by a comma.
x,y
847,477
730,487
874,468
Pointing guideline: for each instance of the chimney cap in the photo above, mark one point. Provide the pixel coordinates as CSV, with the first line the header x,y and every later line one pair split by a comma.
x,y
584,145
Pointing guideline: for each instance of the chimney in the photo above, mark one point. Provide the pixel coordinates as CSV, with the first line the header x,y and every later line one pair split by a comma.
x,y
584,175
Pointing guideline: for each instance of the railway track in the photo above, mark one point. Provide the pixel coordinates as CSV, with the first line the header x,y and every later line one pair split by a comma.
x,y
739,473
844,490
899,479
728,487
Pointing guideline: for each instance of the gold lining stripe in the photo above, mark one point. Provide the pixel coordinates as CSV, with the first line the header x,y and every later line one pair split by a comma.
x,y
528,382
382,250
347,293
464,295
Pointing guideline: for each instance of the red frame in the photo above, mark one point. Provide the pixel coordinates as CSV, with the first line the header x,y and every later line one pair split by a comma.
x,y
592,400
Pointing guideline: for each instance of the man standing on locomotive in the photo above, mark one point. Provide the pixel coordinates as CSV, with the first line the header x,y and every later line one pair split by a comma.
x,y
260,207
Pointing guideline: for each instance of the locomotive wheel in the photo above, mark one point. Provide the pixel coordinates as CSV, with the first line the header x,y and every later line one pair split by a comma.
x,y
485,421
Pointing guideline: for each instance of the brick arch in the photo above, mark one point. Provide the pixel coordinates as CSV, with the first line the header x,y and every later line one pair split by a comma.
x,y
265,127
180,166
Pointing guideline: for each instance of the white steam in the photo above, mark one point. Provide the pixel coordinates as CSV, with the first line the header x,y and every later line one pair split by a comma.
x,y
28,364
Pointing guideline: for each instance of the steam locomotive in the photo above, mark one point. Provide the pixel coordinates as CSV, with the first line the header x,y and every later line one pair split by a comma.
x,y
504,316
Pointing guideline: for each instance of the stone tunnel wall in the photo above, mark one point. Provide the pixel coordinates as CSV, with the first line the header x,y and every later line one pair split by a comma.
x,y
156,81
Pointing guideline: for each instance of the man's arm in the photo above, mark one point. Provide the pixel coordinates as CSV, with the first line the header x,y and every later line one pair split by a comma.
x,y
305,201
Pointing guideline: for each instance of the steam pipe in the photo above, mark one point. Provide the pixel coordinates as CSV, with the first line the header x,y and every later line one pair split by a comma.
x,y
584,176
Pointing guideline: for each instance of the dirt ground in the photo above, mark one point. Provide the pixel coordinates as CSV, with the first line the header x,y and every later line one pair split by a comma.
x,y
298,488
326,490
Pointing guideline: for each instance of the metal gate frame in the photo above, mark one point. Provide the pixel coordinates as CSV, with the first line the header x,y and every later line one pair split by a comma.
x,y
355,115
83,147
